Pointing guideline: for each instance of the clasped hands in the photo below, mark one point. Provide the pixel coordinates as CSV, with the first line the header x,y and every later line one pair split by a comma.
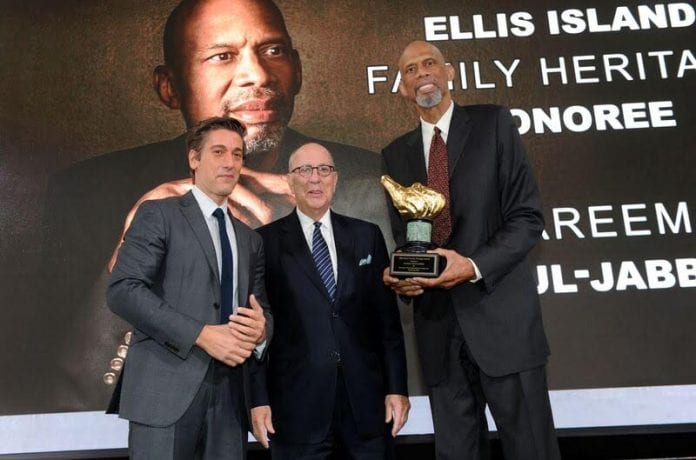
x,y
234,342
459,269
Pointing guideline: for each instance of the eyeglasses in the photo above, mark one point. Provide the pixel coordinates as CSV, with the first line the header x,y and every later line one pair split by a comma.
x,y
307,170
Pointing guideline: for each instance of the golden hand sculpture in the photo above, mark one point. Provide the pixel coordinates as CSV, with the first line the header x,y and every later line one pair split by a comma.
x,y
416,201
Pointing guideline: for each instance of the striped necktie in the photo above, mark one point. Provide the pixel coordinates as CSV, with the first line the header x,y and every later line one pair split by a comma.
x,y
322,260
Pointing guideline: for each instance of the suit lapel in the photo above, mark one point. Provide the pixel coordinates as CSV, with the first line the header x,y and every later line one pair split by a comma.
x,y
457,136
345,253
194,216
415,157
295,244
243,267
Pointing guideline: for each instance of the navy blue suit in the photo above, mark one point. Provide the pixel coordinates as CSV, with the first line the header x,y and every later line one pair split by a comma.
x,y
362,326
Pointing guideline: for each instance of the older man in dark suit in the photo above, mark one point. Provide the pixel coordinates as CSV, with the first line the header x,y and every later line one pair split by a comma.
x,y
478,324
337,369
184,278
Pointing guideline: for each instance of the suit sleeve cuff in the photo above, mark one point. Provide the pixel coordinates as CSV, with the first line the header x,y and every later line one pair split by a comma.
x,y
476,270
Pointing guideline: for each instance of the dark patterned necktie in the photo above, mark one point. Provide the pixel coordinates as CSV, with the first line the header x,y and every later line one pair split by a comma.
x,y
322,259
227,274
438,179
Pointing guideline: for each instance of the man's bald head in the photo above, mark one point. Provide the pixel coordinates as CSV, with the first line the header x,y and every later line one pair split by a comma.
x,y
312,179
425,79
418,46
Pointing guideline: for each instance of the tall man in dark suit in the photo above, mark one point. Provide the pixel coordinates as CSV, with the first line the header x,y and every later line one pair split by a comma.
x,y
478,325
185,272
337,368
221,58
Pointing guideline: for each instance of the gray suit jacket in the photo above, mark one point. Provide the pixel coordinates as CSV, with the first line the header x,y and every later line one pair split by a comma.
x,y
166,285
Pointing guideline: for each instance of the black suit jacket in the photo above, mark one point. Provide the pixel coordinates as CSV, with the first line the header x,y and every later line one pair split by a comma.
x,y
86,208
496,221
362,325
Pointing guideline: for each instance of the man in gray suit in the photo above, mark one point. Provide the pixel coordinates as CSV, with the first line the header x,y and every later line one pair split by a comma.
x,y
182,279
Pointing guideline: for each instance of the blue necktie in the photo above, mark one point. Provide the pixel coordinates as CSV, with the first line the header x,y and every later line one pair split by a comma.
x,y
227,275
322,259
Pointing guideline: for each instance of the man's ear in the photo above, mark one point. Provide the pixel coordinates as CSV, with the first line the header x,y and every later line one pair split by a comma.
x,y
163,84
450,71
298,71
193,159
402,90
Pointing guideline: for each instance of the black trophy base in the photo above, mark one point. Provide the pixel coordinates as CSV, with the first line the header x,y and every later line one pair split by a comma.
x,y
412,261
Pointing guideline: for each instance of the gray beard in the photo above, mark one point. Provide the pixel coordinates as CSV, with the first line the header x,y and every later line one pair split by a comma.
x,y
267,139
430,100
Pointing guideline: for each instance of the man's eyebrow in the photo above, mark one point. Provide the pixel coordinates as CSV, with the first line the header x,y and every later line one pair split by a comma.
x,y
216,46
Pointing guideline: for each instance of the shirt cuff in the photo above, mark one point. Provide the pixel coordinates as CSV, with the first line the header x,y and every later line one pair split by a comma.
x,y
258,351
476,270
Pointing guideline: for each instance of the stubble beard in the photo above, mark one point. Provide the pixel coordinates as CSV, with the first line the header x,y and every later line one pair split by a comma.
x,y
266,137
428,101
262,138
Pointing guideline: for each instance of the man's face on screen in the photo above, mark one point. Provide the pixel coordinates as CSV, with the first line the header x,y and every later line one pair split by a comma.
x,y
237,60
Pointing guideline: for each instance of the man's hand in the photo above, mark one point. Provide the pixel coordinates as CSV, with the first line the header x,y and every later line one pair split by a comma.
x,y
266,196
262,424
263,182
458,270
397,408
174,188
404,287
249,207
218,342
245,204
249,323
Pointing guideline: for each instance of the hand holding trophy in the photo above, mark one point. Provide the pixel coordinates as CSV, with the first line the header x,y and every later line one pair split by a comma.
x,y
419,205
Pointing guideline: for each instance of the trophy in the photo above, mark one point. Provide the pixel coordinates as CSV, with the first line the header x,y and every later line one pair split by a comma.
x,y
419,205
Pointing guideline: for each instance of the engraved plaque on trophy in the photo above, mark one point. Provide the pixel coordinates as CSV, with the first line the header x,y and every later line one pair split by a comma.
x,y
418,204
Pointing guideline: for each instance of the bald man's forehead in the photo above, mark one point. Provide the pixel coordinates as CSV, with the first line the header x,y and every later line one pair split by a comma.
x,y
417,50
313,154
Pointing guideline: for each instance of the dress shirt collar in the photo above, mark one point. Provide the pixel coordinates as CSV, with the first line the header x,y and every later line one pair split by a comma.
x,y
207,205
306,221
443,124
326,229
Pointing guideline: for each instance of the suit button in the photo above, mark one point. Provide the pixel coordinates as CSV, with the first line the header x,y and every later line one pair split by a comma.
x,y
336,355
216,306
334,314
109,378
122,351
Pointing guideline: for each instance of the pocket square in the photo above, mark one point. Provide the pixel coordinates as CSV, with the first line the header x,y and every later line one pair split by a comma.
x,y
366,261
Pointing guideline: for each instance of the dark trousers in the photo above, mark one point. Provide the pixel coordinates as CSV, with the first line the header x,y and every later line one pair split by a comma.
x,y
518,402
213,427
342,440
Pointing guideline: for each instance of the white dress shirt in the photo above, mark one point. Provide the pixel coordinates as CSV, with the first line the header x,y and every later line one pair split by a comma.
x,y
208,207
427,129
307,224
